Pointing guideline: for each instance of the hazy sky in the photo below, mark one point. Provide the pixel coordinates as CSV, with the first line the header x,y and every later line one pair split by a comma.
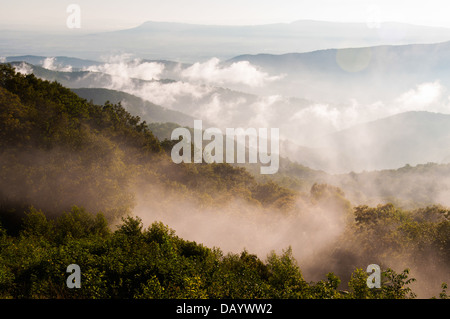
x,y
118,14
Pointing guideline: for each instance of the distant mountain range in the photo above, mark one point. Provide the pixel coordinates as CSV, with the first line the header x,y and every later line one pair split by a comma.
x,y
191,43
367,74
62,61
387,143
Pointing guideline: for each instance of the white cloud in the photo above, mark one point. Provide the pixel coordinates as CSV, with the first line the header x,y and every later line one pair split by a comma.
x,y
125,75
2,59
264,111
237,73
423,96
49,64
166,94
23,68
120,67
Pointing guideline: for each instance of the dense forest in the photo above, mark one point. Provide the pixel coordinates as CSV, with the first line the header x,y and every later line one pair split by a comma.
x,y
73,173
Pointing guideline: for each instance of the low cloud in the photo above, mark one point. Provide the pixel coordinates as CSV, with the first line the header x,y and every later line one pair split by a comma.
x,y
23,68
423,96
50,64
241,72
239,111
122,67
166,94
141,79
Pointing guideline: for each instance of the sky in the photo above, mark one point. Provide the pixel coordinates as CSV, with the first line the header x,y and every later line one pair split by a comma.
x,y
119,14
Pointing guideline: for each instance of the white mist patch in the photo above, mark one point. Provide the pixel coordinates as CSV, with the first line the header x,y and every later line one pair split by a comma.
x,y
24,68
242,110
237,73
318,112
50,64
141,79
264,111
236,225
422,96
320,119
165,94
121,68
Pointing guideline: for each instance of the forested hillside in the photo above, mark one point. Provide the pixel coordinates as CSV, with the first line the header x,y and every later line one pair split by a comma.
x,y
75,174
135,105
57,146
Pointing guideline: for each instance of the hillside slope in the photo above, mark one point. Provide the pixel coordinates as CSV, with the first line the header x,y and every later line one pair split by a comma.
x,y
58,150
146,110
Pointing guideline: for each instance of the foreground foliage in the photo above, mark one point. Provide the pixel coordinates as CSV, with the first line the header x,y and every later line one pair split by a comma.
x,y
133,262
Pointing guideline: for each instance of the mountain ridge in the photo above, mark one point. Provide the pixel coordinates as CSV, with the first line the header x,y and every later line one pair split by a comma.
x,y
372,73
223,41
